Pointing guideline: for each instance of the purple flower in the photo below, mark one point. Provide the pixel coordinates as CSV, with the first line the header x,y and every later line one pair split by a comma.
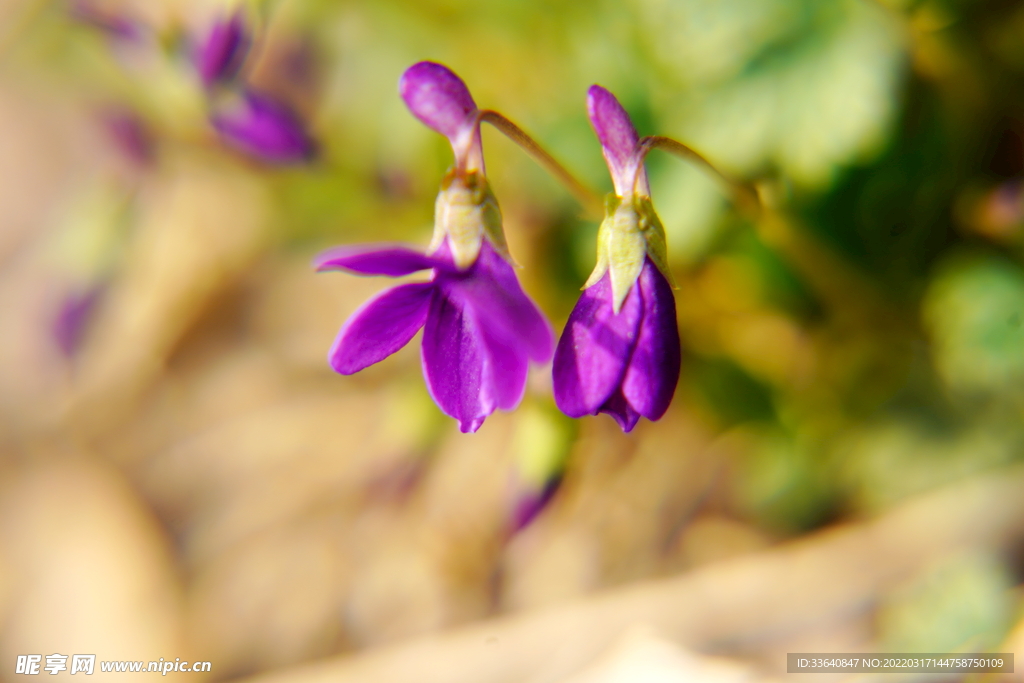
x,y
480,331
479,328
264,128
619,353
221,55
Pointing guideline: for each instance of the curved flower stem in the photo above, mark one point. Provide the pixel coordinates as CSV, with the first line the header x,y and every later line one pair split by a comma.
x,y
744,196
588,198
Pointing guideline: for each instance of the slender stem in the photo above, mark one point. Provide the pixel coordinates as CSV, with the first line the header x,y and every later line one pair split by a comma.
x,y
743,195
587,197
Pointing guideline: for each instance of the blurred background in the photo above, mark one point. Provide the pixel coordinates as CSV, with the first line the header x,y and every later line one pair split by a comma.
x,y
182,474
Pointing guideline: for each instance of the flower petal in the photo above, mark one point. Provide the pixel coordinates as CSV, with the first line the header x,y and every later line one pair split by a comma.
x,y
265,129
503,307
618,407
506,369
454,364
223,51
653,370
382,326
438,98
618,139
594,349
393,260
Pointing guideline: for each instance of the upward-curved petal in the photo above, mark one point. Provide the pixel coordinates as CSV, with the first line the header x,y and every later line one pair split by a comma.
x,y
653,370
618,139
382,326
594,349
438,98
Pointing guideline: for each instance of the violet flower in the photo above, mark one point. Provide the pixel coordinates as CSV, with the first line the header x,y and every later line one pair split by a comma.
x,y
264,128
479,329
222,53
619,353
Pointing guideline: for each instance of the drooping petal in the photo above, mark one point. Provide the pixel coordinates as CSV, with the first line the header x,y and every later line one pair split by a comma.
x,y
223,51
438,98
380,327
393,260
618,139
264,128
618,407
504,309
492,329
594,349
653,370
506,368
454,364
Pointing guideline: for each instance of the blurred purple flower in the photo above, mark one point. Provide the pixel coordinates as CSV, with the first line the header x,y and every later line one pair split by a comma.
x,y
531,502
264,128
479,328
72,318
221,55
619,353
128,132
115,26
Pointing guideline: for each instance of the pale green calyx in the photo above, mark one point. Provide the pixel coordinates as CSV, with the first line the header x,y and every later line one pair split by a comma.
x,y
466,212
630,231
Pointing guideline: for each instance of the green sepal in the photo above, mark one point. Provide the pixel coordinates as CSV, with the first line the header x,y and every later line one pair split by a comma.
x,y
630,231
466,212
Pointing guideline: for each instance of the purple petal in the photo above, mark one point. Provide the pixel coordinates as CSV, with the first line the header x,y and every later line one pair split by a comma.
x,y
378,259
453,364
594,349
506,369
504,308
618,138
265,129
618,407
438,98
479,336
380,327
223,52
653,371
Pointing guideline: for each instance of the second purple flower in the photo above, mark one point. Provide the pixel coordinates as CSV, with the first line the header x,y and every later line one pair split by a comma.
x,y
619,353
